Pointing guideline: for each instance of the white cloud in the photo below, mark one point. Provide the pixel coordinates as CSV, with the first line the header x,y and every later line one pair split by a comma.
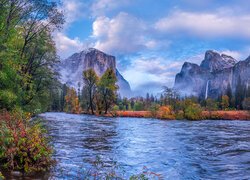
x,y
153,71
73,10
101,7
220,24
66,46
235,54
122,34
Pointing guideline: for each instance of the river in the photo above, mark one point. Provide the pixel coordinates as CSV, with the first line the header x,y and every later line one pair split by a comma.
x,y
175,149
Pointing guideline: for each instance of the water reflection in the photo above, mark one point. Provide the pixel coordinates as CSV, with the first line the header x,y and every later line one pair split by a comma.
x,y
175,149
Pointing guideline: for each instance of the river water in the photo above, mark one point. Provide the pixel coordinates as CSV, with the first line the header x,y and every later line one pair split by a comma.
x,y
175,149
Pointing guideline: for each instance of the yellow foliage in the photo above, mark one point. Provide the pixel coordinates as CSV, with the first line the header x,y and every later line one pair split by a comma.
x,y
166,112
72,102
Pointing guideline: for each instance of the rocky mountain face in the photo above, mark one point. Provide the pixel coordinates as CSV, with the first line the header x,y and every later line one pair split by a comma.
x,y
71,69
215,75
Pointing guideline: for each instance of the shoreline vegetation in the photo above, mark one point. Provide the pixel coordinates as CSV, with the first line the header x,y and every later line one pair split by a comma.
x,y
206,115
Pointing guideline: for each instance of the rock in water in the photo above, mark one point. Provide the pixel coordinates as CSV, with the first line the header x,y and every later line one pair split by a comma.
x,y
71,69
222,72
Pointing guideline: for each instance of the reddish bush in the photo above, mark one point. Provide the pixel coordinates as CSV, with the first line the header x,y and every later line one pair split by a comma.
x,y
23,145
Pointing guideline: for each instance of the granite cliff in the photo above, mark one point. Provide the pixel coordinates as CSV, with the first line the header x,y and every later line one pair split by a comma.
x,y
71,69
213,77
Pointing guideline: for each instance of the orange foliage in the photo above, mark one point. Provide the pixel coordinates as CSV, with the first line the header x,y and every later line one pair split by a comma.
x,y
227,115
133,113
72,102
165,112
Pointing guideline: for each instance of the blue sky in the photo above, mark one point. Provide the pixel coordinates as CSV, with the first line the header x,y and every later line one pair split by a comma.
x,y
151,39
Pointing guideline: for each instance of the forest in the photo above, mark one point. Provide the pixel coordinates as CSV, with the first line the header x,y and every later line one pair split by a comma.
x,y
29,86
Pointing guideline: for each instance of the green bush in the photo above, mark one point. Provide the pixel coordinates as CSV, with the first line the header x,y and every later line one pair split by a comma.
x,y
193,112
179,115
23,145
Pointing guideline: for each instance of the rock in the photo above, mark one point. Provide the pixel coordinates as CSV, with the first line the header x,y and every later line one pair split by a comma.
x,y
213,61
191,80
215,74
71,69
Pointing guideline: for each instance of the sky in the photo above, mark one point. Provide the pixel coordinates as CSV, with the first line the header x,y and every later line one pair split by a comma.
x,y
151,39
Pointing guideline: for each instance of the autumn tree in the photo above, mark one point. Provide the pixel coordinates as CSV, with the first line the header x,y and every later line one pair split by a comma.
x,y
107,89
72,104
90,84
224,102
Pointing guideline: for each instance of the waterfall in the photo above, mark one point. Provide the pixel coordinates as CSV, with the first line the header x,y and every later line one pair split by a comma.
x,y
206,94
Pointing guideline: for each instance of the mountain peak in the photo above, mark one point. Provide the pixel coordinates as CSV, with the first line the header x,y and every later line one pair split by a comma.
x,y
215,61
71,69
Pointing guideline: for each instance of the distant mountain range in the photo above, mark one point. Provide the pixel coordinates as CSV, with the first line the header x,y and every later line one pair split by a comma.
x,y
71,69
213,77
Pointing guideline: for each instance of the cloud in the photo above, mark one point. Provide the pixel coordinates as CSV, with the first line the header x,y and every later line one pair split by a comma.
x,y
219,24
66,46
156,71
73,10
122,34
102,7
235,54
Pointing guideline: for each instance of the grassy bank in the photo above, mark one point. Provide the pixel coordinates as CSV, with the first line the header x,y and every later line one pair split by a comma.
x,y
223,115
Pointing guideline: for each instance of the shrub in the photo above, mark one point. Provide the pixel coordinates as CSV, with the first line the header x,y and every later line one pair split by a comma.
x,y
193,112
179,115
166,112
154,109
211,105
23,145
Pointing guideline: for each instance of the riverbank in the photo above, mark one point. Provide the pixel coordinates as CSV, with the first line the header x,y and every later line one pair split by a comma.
x,y
223,115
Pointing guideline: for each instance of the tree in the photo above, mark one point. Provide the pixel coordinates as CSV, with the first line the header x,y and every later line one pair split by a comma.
x,y
224,102
90,84
193,112
246,103
125,103
72,102
171,96
107,89
27,52
138,106
211,105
